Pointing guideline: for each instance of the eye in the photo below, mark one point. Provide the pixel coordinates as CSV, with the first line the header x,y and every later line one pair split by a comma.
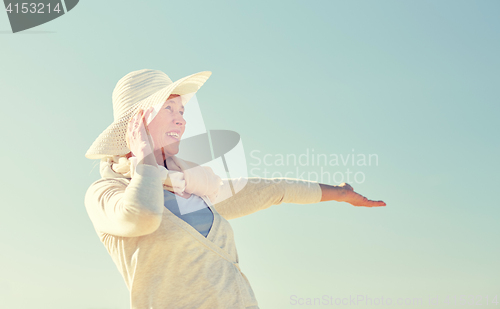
x,y
168,107
182,113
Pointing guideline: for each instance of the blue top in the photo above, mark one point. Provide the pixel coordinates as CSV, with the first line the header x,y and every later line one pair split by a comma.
x,y
192,210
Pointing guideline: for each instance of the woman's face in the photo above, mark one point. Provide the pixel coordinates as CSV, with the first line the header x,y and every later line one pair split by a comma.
x,y
167,127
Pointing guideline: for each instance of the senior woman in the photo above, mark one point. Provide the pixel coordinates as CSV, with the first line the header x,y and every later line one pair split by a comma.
x,y
163,220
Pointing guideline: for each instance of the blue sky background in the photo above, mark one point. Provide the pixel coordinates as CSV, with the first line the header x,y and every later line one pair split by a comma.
x,y
415,83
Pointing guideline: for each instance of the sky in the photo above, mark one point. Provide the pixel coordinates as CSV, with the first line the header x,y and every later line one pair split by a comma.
x,y
414,84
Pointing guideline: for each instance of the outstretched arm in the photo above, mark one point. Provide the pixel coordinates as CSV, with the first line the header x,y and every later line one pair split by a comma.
x,y
240,197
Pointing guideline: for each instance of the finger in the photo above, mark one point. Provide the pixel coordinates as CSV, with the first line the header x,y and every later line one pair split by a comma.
x,y
145,131
147,114
371,203
144,120
364,201
137,117
150,110
140,125
133,122
359,200
132,129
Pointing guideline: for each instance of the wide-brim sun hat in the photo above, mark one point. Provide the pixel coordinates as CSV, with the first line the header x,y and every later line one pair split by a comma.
x,y
140,89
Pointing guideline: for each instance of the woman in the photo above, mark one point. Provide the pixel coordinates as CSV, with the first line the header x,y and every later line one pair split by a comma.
x,y
164,220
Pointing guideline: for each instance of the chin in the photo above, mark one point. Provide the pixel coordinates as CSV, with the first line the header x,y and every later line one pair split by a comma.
x,y
170,151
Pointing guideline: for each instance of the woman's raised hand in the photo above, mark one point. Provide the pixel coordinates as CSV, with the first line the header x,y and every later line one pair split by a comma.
x,y
138,139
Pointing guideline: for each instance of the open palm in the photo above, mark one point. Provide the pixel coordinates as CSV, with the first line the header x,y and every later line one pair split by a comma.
x,y
357,199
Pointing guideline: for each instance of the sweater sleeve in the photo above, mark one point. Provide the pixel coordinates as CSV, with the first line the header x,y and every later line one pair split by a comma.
x,y
254,194
127,209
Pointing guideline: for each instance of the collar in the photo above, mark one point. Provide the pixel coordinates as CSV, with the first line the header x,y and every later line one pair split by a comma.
x,y
106,170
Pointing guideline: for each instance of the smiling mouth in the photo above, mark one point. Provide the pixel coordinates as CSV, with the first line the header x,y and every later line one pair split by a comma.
x,y
174,135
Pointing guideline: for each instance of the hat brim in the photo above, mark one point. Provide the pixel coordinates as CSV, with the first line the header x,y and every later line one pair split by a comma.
x,y
112,140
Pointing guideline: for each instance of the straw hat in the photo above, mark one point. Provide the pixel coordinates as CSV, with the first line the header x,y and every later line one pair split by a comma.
x,y
139,90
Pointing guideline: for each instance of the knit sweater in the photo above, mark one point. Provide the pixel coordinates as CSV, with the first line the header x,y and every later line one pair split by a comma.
x,y
165,262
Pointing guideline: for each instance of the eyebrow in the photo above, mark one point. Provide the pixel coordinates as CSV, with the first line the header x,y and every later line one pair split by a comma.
x,y
173,102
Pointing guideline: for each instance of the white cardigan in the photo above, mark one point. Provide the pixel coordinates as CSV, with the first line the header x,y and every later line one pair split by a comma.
x,y
166,263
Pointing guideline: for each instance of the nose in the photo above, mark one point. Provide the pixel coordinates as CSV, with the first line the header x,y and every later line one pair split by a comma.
x,y
179,120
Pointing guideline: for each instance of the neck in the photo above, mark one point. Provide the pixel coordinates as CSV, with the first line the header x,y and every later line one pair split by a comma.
x,y
161,156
